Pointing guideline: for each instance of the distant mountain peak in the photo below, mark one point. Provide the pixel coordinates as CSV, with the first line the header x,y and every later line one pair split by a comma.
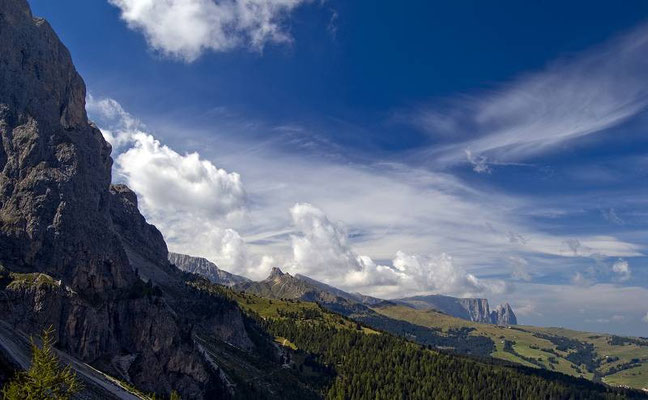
x,y
503,315
471,309
206,268
276,273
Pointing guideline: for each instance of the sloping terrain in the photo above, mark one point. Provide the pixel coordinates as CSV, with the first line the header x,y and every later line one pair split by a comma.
x,y
15,350
75,252
612,359
203,267
357,362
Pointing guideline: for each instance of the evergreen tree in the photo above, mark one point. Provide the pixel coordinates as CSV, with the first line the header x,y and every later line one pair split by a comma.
x,y
45,379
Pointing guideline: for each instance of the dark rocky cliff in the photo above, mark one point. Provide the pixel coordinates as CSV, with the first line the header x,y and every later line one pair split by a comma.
x,y
112,295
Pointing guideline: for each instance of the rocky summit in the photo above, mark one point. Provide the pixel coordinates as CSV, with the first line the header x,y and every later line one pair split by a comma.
x,y
470,309
103,278
206,268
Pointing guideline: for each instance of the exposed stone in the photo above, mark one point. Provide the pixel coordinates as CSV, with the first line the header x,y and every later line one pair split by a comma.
x,y
204,267
503,315
60,216
471,309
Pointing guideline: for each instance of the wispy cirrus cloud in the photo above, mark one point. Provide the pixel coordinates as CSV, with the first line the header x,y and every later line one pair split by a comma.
x,y
185,29
575,96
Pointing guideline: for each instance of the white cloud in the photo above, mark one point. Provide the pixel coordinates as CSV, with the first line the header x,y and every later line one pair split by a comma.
x,y
572,97
188,198
322,251
479,163
171,182
321,244
117,125
622,269
185,29
165,180
645,318
395,214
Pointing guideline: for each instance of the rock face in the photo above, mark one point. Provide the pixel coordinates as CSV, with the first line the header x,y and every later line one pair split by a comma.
x,y
476,310
55,165
503,315
60,216
281,285
204,267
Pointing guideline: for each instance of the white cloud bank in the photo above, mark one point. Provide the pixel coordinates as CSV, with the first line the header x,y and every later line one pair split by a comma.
x,y
321,250
173,183
185,29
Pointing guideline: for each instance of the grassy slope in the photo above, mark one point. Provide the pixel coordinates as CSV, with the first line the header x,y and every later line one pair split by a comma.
x,y
274,308
528,345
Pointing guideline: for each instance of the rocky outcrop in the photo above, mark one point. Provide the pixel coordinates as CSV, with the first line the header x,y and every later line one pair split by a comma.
x,y
282,285
470,309
477,309
54,202
503,315
202,266
112,296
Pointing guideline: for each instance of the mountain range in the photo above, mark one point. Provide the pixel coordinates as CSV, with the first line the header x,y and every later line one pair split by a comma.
x,y
77,255
282,285
206,268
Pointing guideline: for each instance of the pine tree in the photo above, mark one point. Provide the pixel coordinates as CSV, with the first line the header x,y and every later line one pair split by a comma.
x,y
45,379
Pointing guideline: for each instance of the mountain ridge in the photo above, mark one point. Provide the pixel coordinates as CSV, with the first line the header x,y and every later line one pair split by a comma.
x,y
204,267
470,309
76,252
283,285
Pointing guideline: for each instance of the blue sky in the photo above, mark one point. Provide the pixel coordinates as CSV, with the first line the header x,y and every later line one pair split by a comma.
x,y
437,147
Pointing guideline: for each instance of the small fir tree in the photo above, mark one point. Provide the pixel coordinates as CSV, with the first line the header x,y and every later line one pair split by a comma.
x,y
45,379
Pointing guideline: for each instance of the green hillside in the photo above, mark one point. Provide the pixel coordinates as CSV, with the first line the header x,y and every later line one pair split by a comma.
x,y
612,359
343,359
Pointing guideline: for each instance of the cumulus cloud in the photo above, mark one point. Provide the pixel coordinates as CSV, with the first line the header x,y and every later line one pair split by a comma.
x,y
321,243
187,197
117,125
185,29
321,250
645,318
166,180
622,269
172,182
